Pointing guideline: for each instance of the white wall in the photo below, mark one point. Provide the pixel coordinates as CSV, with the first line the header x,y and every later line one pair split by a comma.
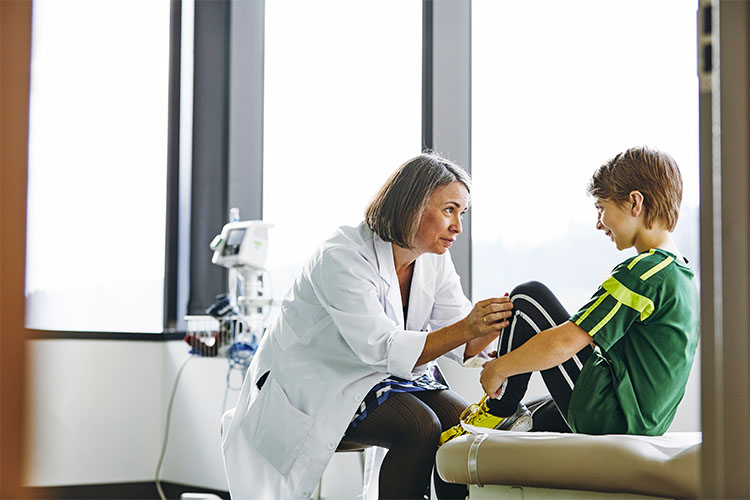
x,y
97,411
688,417
194,449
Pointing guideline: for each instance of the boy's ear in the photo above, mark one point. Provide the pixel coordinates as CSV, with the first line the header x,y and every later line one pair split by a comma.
x,y
635,199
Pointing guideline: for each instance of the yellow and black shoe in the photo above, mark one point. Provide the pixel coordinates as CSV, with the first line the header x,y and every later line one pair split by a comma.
x,y
478,415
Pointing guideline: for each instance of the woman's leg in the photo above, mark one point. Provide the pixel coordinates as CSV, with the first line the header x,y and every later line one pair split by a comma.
x,y
535,308
410,430
448,407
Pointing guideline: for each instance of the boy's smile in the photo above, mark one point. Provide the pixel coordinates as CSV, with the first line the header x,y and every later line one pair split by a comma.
x,y
617,222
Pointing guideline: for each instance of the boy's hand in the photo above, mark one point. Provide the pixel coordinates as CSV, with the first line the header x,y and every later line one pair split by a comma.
x,y
492,379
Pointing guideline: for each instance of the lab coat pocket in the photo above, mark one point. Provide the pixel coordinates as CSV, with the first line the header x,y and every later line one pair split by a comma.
x,y
281,429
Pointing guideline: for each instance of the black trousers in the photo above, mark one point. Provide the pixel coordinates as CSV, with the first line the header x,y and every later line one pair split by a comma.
x,y
535,308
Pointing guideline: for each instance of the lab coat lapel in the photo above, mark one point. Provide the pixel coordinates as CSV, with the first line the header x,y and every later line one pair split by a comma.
x,y
387,269
421,295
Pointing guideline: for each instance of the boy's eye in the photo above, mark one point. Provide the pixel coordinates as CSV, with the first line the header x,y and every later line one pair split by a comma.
x,y
449,210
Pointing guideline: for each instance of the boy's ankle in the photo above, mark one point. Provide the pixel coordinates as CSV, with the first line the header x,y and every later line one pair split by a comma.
x,y
501,408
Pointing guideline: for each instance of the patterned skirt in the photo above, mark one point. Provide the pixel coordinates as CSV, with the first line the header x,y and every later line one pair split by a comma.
x,y
387,388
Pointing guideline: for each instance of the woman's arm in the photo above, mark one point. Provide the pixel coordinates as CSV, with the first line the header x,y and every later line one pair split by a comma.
x,y
542,351
478,344
473,330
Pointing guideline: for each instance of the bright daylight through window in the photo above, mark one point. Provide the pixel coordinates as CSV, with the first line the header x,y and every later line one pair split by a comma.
x,y
97,165
343,83
558,88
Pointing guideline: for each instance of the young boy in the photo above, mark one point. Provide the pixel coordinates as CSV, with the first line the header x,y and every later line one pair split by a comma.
x,y
620,364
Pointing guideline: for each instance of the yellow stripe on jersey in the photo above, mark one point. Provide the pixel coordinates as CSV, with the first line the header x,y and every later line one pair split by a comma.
x,y
658,267
590,309
642,304
605,319
624,296
638,258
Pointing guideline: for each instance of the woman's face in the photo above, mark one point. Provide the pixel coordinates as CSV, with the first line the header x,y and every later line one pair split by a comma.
x,y
441,219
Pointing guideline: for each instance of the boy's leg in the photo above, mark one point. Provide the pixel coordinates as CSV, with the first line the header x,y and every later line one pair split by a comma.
x,y
535,308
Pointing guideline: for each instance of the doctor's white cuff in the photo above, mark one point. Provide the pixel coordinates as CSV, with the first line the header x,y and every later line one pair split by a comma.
x,y
477,361
405,348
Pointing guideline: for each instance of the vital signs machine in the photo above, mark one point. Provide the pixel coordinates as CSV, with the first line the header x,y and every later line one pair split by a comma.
x,y
235,323
242,247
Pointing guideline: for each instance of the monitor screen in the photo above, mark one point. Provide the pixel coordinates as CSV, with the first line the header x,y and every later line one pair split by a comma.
x,y
234,240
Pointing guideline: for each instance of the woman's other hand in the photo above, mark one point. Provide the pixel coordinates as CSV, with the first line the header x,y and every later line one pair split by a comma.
x,y
489,316
477,330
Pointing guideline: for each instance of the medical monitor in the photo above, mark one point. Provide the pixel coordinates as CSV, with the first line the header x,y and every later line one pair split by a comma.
x,y
241,244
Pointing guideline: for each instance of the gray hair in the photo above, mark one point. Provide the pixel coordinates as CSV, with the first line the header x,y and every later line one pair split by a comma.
x,y
396,211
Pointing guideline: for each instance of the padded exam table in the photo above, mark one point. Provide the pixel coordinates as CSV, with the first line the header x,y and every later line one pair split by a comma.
x,y
545,465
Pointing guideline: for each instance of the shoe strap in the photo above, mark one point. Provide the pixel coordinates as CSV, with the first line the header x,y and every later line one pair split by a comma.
x,y
473,408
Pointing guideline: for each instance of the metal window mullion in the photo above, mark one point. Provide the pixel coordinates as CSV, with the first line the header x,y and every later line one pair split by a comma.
x,y
447,103
209,204
171,243
245,188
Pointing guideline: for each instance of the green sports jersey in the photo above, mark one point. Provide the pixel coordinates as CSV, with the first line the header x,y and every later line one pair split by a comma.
x,y
644,322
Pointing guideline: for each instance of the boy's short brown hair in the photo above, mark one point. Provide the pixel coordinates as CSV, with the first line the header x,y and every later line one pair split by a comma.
x,y
653,173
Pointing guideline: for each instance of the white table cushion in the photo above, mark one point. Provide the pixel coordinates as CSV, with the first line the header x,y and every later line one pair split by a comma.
x,y
667,466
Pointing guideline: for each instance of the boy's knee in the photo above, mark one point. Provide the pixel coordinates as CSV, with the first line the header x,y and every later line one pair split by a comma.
x,y
533,289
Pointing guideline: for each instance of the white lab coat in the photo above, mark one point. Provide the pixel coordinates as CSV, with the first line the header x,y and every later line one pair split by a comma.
x,y
339,332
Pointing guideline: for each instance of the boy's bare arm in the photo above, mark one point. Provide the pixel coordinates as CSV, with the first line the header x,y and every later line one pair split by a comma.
x,y
542,351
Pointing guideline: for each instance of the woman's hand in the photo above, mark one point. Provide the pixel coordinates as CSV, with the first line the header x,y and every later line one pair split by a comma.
x,y
492,379
489,316
476,331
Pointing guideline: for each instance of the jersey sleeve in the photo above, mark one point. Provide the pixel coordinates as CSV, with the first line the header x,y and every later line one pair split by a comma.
x,y
627,296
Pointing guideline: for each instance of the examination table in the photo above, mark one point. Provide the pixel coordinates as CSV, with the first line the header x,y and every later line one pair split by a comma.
x,y
545,465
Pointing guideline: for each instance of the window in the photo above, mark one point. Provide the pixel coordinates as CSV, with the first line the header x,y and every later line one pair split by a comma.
x,y
343,84
558,88
98,165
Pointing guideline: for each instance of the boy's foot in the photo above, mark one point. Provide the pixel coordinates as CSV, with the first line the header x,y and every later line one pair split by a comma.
x,y
478,415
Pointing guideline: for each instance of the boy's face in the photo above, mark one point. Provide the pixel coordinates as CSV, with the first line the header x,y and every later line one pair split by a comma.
x,y
617,221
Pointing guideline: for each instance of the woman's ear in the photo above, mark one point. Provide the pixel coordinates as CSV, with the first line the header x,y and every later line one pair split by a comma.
x,y
635,199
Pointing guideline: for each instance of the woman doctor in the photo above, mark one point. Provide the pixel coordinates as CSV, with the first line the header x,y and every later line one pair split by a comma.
x,y
347,357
